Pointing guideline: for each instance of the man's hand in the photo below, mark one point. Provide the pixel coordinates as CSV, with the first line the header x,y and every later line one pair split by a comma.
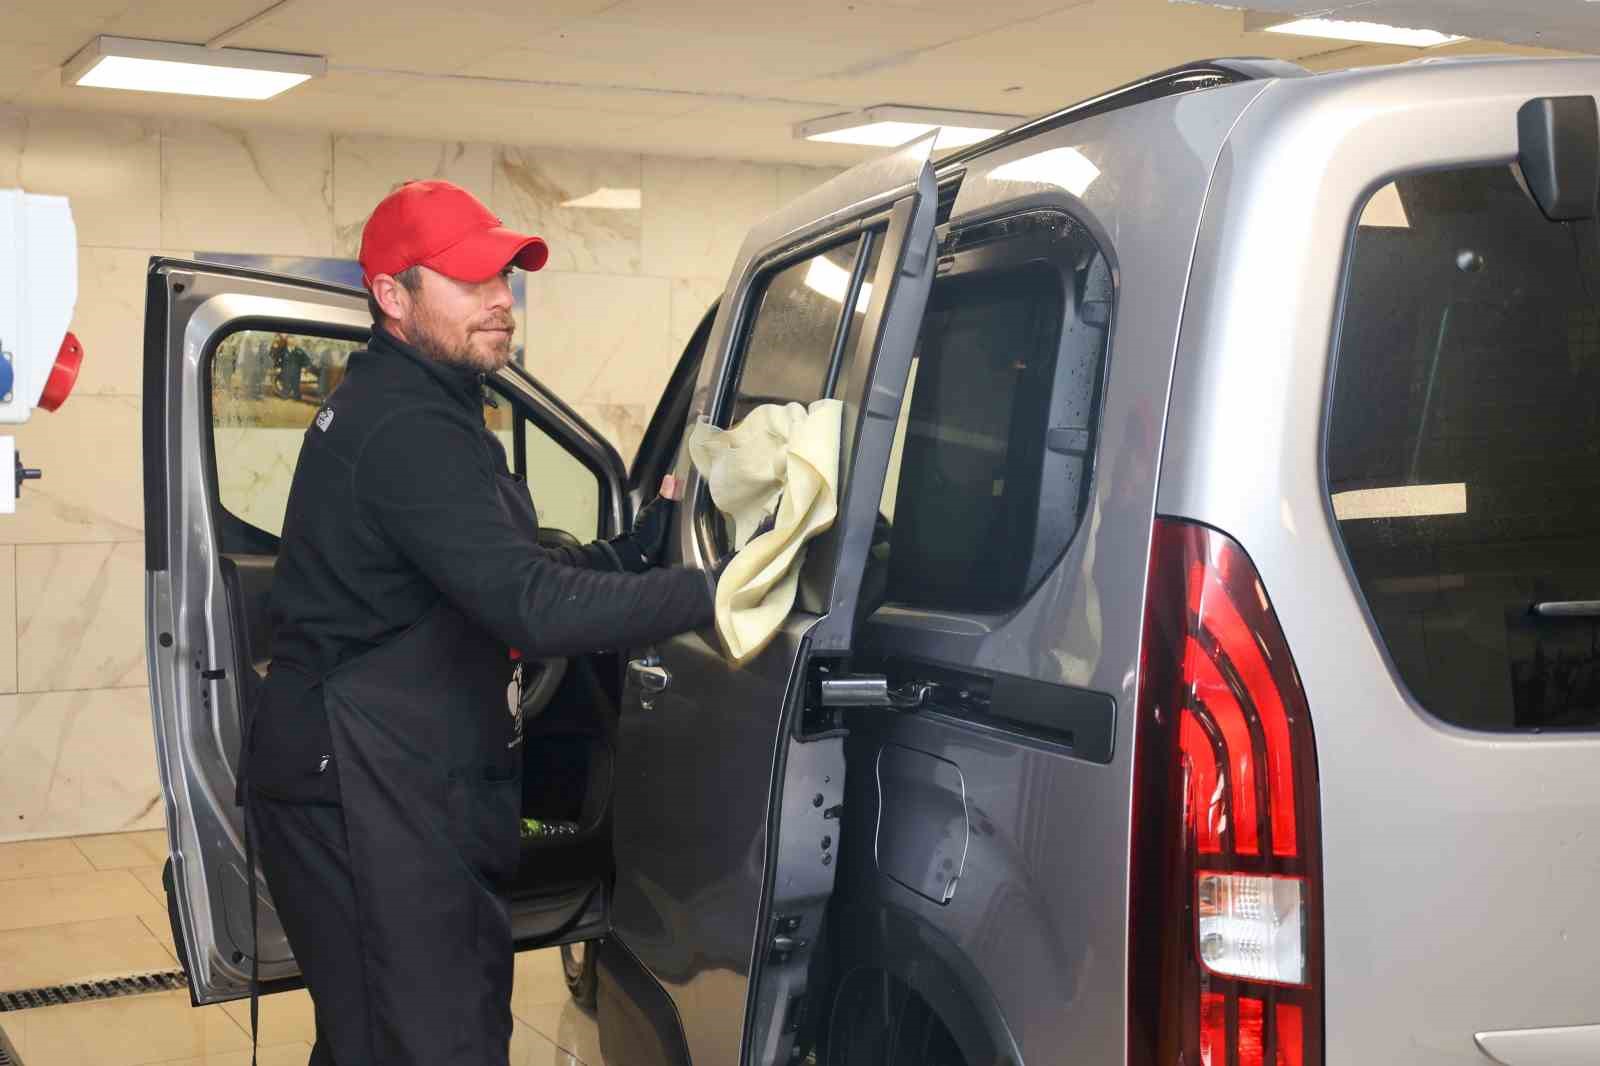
x,y
767,525
652,526
646,544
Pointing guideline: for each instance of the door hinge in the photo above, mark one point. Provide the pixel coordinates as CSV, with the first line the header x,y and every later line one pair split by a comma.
x,y
795,1014
213,675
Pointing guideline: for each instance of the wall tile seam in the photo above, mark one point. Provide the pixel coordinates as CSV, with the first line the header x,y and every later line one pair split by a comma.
x,y
40,544
78,691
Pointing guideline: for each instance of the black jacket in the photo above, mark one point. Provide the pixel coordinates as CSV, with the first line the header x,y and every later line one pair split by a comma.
x,y
400,498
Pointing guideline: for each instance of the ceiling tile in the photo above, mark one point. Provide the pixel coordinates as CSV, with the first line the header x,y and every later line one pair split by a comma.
x,y
50,21
179,20
688,77
1546,23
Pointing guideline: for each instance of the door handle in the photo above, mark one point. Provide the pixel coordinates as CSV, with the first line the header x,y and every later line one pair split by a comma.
x,y
1568,609
872,690
651,677
1562,1046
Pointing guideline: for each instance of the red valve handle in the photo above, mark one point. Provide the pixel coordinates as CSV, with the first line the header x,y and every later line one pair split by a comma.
x,y
64,375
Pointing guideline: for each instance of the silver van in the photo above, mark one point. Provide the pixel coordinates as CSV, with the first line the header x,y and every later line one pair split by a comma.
x,y
1204,667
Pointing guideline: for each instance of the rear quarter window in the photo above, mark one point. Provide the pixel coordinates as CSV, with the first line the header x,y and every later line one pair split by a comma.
x,y
989,476
1464,447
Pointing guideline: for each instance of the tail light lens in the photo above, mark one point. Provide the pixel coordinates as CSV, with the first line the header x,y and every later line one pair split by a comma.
x,y
1225,953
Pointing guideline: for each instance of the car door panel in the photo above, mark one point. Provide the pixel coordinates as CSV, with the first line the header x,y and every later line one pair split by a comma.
x,y
193,648
705,763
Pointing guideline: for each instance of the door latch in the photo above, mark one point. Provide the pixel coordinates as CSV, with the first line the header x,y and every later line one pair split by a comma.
x,y
651,677
872,690
784,941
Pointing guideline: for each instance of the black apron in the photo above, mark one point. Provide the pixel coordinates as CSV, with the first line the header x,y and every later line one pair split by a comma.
x,y
427,735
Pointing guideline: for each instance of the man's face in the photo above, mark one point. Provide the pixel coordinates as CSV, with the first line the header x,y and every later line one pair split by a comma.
x,y
459,322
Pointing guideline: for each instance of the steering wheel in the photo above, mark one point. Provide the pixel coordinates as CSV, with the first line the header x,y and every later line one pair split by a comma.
x,y
542,677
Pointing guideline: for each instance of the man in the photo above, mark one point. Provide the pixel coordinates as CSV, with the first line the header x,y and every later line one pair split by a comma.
x,y
276,357
227,358
291,370
253,361
383,771
326,369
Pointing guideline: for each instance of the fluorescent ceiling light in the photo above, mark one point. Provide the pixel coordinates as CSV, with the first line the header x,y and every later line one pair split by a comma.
x,y
607,199
1401,501
188,69
1346,30
889,126
833,281
1066,168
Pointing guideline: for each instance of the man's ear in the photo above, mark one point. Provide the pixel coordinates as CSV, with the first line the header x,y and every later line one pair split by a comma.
x,y
392,296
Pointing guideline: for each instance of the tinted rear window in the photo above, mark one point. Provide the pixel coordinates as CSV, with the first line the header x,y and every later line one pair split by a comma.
x,y
968,491
1464,447
989,477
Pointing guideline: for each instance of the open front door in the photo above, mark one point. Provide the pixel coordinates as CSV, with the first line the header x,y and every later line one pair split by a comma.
x,y
825,301
229,355
237,365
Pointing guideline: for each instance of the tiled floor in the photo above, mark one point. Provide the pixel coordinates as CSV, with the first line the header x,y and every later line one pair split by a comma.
x,y
93,907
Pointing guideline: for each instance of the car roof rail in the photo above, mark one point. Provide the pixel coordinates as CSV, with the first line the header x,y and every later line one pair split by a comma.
x,y
1190,77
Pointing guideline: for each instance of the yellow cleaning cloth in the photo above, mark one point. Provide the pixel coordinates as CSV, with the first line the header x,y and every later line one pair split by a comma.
x,y
780,455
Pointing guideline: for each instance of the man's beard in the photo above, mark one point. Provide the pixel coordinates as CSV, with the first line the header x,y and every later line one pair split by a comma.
x,y
459,351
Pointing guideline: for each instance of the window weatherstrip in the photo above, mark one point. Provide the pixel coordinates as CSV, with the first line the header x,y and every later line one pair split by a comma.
x,y
864,245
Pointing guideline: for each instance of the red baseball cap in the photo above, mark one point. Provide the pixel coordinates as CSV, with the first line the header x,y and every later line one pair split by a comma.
x,y
444,227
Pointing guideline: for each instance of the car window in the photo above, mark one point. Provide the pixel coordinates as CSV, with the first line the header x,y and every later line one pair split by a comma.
x,y
266,386
565,493
792,351
989,469
1464,447
789,354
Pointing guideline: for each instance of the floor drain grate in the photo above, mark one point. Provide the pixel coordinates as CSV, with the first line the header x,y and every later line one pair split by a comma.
x,y
84,991
8,1054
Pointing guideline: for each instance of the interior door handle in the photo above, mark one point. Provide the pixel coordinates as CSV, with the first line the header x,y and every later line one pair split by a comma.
x,y
652,679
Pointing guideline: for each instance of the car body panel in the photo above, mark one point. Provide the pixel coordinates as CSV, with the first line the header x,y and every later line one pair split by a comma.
x,y
1460,868
1041,911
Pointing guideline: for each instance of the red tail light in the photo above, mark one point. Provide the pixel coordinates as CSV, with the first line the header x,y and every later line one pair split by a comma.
x,y
1225,953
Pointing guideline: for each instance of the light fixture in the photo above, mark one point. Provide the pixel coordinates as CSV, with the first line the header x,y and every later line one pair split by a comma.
x,y
1349,30
833,281
608,199
891,125
189,69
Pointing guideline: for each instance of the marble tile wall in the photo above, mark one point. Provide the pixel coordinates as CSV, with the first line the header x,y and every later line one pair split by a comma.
x,y
640,246
78,758
255,467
